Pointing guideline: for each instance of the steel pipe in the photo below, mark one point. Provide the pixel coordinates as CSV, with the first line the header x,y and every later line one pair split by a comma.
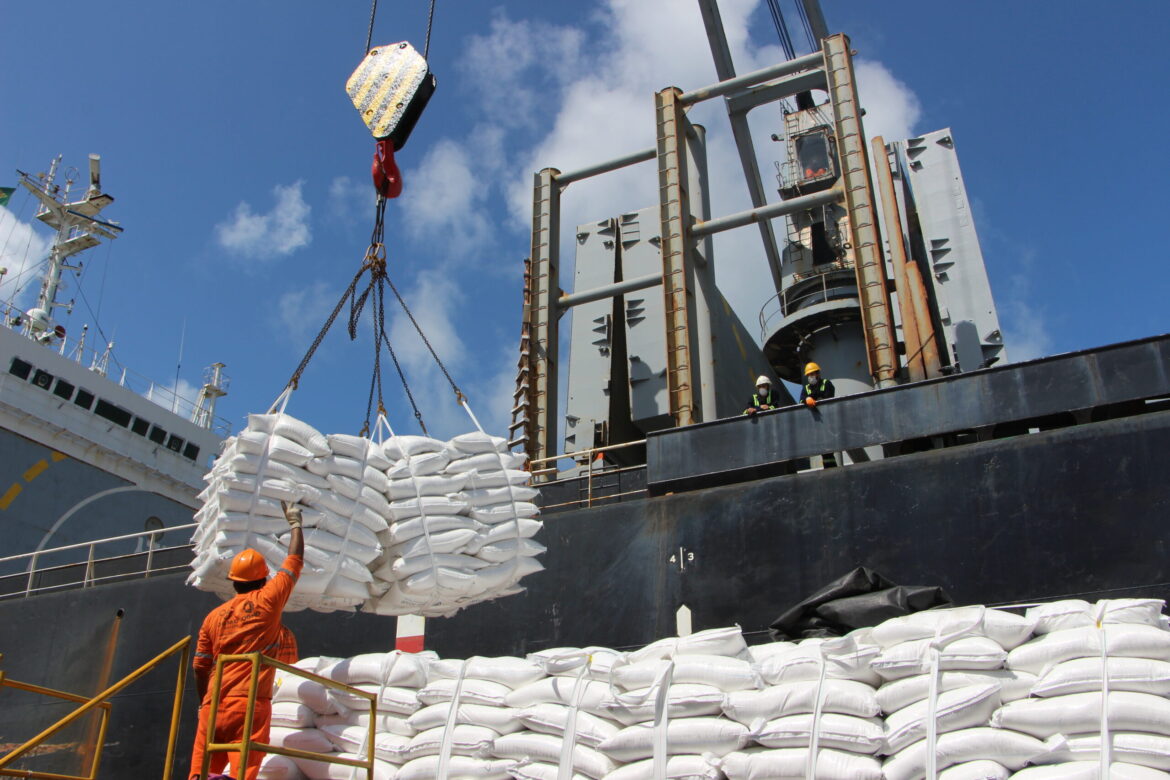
x,y
770,211
807,62
605,167
609,290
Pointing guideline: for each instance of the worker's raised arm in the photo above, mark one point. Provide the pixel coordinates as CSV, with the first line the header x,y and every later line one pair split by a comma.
x,y
296,542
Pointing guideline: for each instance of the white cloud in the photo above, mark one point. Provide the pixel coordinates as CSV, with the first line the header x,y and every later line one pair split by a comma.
x,y
434,300
179,397
280,232
351,202
1024,322
447,199
891,109
516,68
22,251
300,313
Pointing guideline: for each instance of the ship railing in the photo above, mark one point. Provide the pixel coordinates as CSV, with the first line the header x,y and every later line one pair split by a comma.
x,y
247,745
98,702
99,362
587,461
797,295
91,570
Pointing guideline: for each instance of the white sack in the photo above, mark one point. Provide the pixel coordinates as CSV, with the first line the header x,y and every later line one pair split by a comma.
x,y
910,658
1150,750
472,691
384,722
845,697
840,732
982,769
512,672
1089,770
290,428
1004,628
396,668
684,736
401,701
1074,613
1079,713
1127,640
677,768
552,719
791,763
901,693
291,714
795,663
955,709
465,741
685,700
312,740
434,485
726,674
547,749
502,720
1009,748
1142,675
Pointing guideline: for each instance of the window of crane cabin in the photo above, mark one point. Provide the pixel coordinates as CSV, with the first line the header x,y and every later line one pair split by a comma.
x,y
812,155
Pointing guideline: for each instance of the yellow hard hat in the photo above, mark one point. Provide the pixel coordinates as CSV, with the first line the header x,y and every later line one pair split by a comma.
x,y
763,380
810,368
248,566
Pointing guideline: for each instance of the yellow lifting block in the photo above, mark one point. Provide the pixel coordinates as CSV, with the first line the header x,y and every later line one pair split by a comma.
x,y
390,89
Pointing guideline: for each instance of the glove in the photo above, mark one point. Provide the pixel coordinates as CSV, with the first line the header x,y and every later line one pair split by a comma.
x,y
810,402
292,514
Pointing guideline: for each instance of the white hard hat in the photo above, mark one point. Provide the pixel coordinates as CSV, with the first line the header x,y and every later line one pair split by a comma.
x,y
763,380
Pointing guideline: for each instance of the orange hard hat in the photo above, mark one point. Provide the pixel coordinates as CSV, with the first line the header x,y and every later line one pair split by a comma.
x,y
248,566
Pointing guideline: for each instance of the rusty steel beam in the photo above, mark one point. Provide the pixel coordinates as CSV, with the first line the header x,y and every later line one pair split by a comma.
x,y
876,317
910,331
542,316
677,255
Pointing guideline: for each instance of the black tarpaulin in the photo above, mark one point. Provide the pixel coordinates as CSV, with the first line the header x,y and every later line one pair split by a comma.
x,y
861,598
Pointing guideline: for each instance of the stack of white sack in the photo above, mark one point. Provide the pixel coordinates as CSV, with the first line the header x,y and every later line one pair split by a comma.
x,y
464,715
561,716
672,693
943,677
310,716
461,525
1103,680
338,479
816,717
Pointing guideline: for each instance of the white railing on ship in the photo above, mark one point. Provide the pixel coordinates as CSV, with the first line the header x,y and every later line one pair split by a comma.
x,y
590,458
89,579
99,362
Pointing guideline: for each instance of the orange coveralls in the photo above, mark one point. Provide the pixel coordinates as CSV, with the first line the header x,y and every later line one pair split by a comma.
x,y
249,623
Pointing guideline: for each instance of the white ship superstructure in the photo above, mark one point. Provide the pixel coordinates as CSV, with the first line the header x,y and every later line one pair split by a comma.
x,y
89,451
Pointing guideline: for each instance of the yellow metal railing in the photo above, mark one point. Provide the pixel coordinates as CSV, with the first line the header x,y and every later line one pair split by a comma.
x,y
246,744
100,701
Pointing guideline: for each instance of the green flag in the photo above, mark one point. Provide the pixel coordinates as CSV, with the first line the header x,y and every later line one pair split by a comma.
x,y
6,195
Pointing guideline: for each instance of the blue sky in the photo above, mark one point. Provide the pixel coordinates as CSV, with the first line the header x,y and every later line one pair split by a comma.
x,y
241,169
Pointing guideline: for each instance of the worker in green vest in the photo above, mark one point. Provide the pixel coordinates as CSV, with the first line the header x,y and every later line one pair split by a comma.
x,y
814,388
762,399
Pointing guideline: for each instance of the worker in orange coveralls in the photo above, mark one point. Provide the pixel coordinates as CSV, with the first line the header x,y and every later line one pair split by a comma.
x,y
249,623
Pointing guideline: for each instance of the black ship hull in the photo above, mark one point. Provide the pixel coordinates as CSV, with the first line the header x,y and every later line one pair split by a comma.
x,y
989,489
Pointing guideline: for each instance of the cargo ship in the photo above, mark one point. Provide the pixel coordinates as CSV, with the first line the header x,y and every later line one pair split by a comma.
x,y
669,510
